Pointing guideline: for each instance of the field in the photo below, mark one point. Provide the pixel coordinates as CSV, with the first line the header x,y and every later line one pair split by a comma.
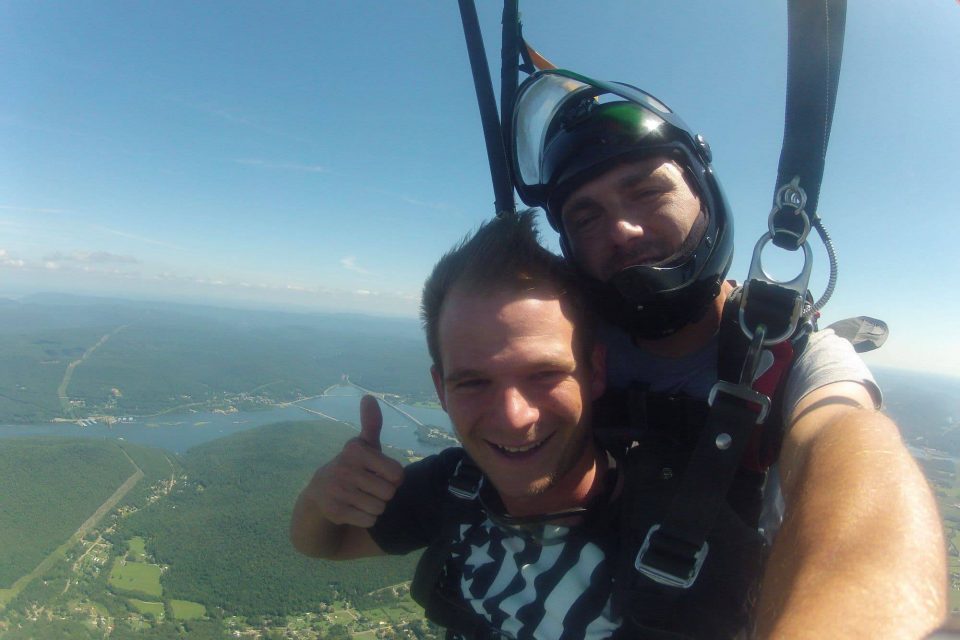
x,y
153,608
185,610
402,611
138,551
137,577
342,617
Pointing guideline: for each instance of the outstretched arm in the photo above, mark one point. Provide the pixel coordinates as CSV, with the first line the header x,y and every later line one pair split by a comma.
x,y
345,496
861,551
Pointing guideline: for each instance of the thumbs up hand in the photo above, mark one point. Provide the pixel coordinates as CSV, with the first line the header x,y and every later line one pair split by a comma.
x,y
355,486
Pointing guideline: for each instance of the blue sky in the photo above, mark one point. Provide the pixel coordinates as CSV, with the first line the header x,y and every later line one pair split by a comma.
x,y
322,155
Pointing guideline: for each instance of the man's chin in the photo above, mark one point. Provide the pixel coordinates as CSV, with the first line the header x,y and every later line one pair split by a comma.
x,y
513,491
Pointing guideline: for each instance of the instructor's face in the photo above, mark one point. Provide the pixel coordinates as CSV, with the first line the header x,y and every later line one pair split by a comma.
x,y
517,391
637,213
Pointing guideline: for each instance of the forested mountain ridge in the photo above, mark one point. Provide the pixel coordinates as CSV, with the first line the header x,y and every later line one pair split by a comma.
x,y
206,535
51,486
224,532
74,357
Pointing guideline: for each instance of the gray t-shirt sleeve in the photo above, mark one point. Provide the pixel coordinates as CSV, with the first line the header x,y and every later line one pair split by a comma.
x,y
827,358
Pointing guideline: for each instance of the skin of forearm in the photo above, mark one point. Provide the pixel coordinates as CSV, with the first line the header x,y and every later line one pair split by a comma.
x,y
861,551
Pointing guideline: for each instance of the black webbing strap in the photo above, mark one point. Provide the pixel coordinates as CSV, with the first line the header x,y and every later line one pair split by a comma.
x,y
814,52
489,118
512,42
675,549
443,607
775,307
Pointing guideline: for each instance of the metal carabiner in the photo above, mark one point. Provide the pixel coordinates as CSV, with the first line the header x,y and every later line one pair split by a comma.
x,y
790,195
797,285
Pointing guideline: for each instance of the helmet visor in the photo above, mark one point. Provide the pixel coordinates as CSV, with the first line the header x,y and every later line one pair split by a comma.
x,y
550,98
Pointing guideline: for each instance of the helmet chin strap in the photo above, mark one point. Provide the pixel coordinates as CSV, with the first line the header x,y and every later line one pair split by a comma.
x,y
690,243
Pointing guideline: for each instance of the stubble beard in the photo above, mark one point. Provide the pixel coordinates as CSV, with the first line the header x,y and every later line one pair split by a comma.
x,y
566,464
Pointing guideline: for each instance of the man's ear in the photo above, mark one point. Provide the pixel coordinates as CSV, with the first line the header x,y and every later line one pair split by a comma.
x,y
598,371
437,376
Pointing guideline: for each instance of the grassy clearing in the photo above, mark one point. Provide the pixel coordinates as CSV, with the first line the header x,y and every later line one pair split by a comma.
x,y
138,549
365,635
186,610
138,577
341,617
152,608
401,611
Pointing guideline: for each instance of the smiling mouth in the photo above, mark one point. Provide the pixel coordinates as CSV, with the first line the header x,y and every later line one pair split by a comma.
x,y
521,451
644,260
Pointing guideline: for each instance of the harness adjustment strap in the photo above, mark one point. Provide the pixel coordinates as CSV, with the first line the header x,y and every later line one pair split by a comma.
x,y
778,307
674,550
466,481
670,561
743,392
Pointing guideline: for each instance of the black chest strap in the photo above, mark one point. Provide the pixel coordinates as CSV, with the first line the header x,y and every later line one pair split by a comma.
x,y
673,550
433,588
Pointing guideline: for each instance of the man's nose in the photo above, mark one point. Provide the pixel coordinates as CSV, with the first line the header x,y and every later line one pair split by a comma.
x,y
624,230
518,411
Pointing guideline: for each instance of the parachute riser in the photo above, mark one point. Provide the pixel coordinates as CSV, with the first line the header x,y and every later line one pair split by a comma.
x,y
493,132
814,52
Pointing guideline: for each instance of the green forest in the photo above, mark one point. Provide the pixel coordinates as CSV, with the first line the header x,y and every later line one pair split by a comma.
x,y
197,548
51,486
224,532
156,359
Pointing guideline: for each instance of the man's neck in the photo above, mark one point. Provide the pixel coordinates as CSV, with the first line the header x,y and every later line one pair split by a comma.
x,y
692,337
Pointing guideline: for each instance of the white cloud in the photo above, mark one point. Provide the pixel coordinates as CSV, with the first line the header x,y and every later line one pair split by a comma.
x,y
91,257
138,238
8,261
350,264
7,207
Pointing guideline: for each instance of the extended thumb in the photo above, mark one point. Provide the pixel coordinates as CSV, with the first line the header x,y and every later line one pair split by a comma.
x,y
371,421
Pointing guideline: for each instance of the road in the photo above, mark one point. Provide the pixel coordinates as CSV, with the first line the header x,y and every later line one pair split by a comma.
x,y
85,528
68,374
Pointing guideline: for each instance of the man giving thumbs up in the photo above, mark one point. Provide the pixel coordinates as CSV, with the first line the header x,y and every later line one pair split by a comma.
x,y
345,496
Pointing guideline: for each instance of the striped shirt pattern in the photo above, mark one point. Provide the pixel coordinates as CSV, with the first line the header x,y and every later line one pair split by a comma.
x,y
527,591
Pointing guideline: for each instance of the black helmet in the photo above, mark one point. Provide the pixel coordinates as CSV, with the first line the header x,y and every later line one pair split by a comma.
x,y
568,129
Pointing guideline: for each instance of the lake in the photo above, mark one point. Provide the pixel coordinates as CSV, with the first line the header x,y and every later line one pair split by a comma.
x,y
179,432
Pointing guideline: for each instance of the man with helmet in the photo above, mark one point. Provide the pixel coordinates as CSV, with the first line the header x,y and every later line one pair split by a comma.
x,y
633,195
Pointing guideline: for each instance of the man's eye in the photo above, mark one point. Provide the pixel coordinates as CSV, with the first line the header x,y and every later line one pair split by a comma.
x,y
644,193
585,221
471,384
549,377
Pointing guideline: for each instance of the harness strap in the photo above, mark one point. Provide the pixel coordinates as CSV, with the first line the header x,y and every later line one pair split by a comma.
x,y
489,118
442,602
673,551
814,52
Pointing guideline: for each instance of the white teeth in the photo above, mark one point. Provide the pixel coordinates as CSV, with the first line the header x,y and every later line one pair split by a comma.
x,y
518,449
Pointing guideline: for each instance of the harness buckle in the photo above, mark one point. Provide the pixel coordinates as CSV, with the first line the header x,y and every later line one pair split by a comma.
x,y
465,482
742,392
682,579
